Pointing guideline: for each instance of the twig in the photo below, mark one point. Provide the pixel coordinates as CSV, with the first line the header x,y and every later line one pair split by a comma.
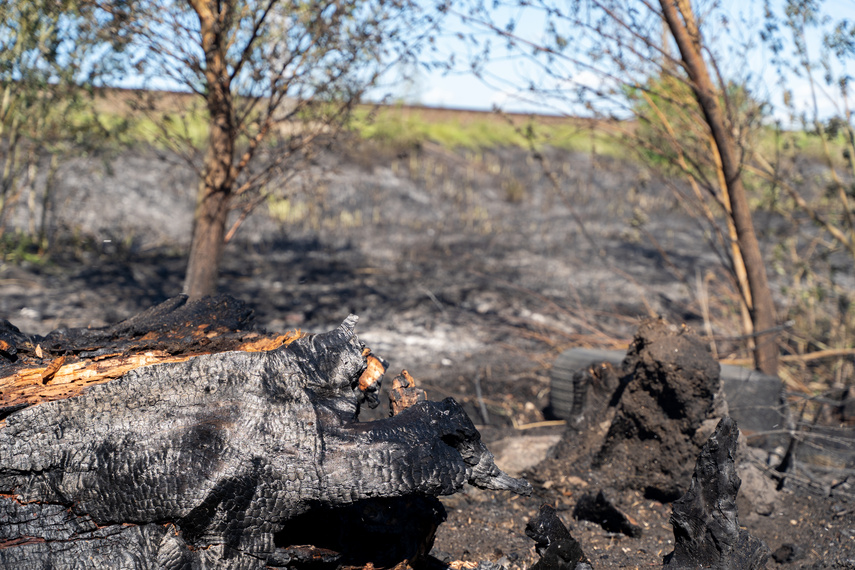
x,y
548,423
484,415
817,355
704,300
433,298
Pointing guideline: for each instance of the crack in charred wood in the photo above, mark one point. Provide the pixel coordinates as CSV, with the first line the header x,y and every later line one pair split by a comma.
x,y
20,541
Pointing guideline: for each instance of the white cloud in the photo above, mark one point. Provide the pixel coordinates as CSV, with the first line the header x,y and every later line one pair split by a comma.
x,y
438,96
586,78
499,98
514,100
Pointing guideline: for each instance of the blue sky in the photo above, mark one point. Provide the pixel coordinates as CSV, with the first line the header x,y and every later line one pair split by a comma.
x,y
463,90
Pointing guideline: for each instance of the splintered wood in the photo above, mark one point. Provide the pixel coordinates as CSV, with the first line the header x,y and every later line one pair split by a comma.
x,y
36,369
66,377
373,372
44,384
404,393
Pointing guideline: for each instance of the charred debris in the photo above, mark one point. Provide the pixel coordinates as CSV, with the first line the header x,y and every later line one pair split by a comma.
x,y
184,438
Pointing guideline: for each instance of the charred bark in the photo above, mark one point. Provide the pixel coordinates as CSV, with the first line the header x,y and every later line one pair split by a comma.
x,y
557,548
205,459
706,527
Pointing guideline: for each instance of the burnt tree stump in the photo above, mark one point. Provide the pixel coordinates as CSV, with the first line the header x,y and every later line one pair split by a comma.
x,y
675,386
705,521
182,439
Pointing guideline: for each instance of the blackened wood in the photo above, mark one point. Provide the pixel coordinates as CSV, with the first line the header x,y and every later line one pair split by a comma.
x,y
557,548
706,526
36,369
203,461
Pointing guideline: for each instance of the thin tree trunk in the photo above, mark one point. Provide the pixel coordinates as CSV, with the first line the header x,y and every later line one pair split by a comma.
x,y
678,15
11,158
47,199
207,246
32,173
217,184
746,301
8,185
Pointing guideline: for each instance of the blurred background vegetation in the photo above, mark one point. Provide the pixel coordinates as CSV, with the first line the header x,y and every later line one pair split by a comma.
x,y
300,76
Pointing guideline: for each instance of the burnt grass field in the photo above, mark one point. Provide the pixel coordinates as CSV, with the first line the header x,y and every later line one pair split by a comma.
x,y
471,269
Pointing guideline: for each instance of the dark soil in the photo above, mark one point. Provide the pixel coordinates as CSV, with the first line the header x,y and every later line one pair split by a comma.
x,y
468,269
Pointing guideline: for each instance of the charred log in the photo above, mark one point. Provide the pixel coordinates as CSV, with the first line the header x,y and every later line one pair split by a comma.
x,y
207,458
35,369
174,326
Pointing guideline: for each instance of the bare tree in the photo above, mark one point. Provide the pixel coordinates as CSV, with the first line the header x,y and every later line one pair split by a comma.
x,y
266,72
683,26
628,49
